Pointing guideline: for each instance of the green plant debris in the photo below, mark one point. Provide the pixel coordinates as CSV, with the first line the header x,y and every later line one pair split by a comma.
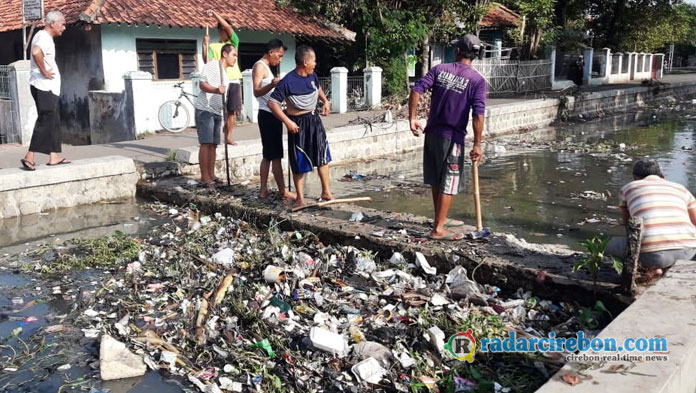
x,y
101,252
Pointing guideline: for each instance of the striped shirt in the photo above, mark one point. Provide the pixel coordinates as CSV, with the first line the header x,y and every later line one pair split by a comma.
x,y
664,207
211,74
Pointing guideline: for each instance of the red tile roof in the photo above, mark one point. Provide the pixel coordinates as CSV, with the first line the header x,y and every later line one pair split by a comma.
x,y
500,16
246,15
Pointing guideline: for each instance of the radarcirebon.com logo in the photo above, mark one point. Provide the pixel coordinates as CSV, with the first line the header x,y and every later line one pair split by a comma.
x,y
462,346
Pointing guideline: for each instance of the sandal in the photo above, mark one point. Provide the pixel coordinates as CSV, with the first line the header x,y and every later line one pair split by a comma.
x,y
450,223
28,165
209,184
217,180
61,162
450,237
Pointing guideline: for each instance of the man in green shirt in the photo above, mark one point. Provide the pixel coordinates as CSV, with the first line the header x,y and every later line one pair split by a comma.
x,y
234,92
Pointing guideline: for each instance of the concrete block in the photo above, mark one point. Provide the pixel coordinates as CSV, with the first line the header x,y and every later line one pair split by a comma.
x,y
82,182
117,362
15,178
664,310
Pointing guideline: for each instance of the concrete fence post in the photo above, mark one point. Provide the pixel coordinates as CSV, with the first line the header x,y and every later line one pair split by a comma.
x,y
631,64
607,64
138,84
372,77
587,70
250,110
25,108
339,90
553,64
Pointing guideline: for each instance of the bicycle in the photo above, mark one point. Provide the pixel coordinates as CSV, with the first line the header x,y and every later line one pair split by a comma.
x,y
173,115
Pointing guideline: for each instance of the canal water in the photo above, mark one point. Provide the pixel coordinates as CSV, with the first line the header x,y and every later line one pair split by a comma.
x,y
48,302
557,185
553,186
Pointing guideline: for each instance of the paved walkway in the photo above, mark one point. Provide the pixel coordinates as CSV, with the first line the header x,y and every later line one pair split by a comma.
x,y
157,147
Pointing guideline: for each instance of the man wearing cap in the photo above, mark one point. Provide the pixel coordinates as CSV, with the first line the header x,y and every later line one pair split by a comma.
x,y
457,89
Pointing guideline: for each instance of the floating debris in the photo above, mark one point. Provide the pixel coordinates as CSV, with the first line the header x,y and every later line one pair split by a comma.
x,y
232,307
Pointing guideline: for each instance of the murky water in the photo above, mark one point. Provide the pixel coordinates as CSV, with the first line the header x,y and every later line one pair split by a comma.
x,y
47,307
537,193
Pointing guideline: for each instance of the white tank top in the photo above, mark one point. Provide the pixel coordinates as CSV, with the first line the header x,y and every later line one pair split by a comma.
x,y
263,100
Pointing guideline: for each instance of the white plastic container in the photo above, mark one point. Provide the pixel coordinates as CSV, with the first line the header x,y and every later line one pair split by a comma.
x,y
328,341
369,370
273,274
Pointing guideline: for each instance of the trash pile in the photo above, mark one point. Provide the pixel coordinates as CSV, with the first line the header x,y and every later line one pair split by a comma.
x,y
231,307
354,176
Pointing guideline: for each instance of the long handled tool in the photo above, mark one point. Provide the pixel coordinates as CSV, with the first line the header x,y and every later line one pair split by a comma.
x,y
334,201
480,232
289,185
224,113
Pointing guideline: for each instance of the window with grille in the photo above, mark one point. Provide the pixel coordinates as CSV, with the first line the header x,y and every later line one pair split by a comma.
x,y
167,59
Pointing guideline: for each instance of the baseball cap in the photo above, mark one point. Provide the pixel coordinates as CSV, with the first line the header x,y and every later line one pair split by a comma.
x,y
469,43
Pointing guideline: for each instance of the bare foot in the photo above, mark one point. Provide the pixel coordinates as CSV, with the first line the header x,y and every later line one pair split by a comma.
x,y
299,202
648,276
326,196
229,141
288,196
264,194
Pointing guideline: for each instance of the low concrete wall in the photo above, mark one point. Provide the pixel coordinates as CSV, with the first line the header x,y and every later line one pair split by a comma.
x,y
346,144
604,102
519,116
110,118
78,183
664,310
523,116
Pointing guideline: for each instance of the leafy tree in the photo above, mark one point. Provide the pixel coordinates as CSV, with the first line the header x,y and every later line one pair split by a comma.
x,y
387,29
539,18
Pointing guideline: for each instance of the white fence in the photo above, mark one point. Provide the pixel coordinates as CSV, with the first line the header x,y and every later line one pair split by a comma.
x,y
506,77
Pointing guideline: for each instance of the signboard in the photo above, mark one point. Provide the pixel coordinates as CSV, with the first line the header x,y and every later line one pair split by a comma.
x,y
33,9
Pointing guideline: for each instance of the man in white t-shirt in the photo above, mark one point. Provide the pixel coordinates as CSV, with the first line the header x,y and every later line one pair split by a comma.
x,y
44,79
209,111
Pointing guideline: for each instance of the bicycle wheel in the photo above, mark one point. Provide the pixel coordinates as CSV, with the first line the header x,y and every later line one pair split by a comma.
x,y
174,116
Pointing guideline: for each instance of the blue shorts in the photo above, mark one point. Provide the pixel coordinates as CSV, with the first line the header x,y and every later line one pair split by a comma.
x,y
208,126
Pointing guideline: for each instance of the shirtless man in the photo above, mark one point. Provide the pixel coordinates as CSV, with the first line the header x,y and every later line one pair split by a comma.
x,y
270,127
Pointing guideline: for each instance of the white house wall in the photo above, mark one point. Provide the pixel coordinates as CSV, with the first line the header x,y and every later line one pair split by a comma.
x,y
119,57
119,54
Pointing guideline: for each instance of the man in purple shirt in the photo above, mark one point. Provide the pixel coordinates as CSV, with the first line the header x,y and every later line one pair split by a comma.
x,y
457,90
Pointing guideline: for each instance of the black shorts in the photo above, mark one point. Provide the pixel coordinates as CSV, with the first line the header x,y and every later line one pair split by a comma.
x,y
308,148
234,98
443,164
271,135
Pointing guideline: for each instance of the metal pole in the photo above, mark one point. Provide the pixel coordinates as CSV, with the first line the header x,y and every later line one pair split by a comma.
x,y
24,37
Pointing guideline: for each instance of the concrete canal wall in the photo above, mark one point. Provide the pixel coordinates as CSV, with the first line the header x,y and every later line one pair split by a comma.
x,y
53,187
665,310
